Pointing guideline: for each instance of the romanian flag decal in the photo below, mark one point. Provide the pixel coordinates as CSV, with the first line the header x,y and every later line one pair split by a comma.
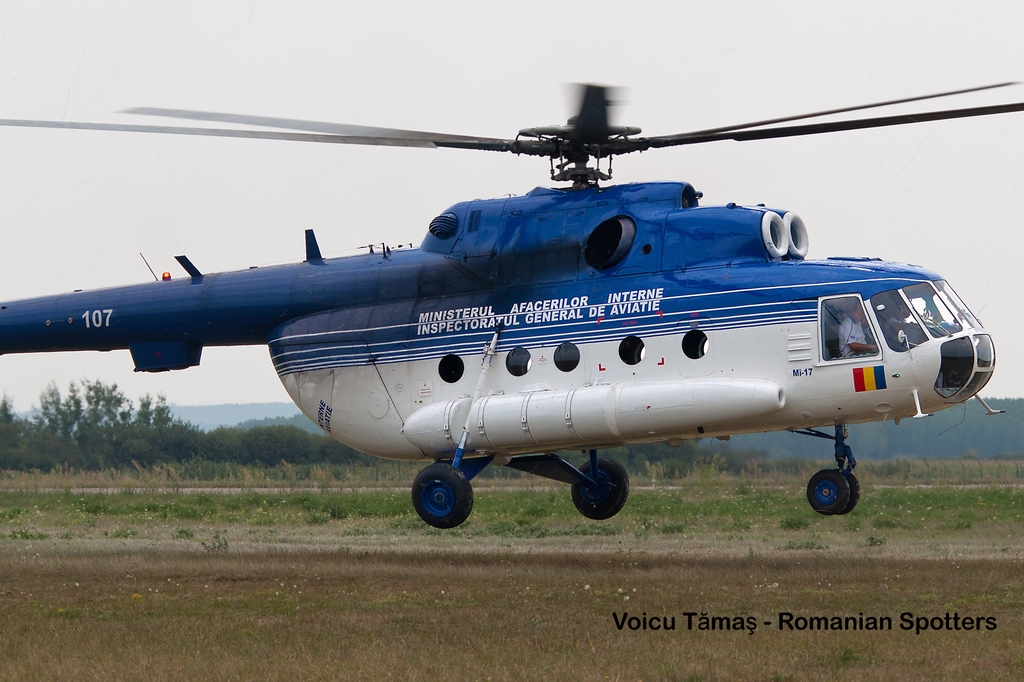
x,y
869,378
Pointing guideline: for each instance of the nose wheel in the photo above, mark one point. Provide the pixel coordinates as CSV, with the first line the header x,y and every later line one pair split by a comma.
x,y
834,491
828,492
854,493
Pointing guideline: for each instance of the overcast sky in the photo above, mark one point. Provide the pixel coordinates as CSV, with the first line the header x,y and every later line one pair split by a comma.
x,y
76,207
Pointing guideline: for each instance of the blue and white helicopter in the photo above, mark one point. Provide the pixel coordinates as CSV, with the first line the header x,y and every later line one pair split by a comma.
x,y
575,318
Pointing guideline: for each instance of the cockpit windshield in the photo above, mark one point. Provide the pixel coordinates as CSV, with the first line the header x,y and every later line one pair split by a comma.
x,y
935,314
957,304
894,316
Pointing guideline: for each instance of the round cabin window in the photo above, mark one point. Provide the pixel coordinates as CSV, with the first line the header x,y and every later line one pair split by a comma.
x,y
631,350
695,344
518,361
567,357
451,368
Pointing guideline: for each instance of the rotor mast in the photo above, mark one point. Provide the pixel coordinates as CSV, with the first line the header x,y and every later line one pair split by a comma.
x,y
573,159
584,137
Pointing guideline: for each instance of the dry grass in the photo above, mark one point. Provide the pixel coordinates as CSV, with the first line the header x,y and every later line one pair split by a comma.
x,y
531,613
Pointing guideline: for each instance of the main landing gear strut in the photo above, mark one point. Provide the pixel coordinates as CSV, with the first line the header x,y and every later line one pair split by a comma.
x,y
834,491
443,495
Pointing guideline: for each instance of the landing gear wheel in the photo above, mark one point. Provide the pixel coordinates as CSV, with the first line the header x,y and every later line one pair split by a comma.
x,y
828,492
611,494
854,493
442,495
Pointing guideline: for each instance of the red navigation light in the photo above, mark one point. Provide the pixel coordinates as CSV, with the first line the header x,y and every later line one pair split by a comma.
x,y
167,277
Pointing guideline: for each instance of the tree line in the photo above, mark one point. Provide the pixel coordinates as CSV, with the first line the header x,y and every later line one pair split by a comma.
x,y
95,426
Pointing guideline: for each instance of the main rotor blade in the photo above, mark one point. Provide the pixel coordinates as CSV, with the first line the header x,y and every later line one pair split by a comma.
x,y
842,110
300,124
378,140
591,124
836,126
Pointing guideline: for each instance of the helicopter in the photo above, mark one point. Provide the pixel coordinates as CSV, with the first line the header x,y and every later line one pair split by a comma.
x,y
574,318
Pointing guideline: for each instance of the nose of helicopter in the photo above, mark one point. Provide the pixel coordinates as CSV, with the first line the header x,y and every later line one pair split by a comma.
x,y
967,363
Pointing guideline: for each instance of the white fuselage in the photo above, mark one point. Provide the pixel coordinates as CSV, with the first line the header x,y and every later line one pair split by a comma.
x,y
751,379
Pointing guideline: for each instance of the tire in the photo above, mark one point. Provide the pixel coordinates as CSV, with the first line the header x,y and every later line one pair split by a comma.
x,y
442,495
854,494
608,499
828,492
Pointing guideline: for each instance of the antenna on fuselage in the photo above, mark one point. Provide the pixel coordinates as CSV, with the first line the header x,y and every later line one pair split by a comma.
x,y
147,265
312,248
192,270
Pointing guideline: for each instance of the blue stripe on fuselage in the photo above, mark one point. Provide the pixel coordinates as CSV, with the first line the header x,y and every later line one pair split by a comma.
x,y
715,298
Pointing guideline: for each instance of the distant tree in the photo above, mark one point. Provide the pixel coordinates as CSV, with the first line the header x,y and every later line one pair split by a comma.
x,y
153,414
60,416
7,415
94,425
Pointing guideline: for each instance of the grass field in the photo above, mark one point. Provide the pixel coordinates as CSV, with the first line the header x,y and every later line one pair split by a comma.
x,y
320,585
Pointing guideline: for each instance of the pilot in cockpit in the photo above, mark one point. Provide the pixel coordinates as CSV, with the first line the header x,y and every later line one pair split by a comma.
x,y
894,316
852,338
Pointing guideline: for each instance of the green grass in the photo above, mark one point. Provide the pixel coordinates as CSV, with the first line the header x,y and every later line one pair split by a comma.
x,y
794,522
27,535
696,507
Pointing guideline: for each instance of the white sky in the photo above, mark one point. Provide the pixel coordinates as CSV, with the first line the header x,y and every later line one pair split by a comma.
x,y
76,207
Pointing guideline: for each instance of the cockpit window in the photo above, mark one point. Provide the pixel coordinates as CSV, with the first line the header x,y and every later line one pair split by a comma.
x,y
957,304
845,331
894,316
933,312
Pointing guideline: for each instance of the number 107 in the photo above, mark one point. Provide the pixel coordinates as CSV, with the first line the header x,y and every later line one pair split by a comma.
x,y
97,318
